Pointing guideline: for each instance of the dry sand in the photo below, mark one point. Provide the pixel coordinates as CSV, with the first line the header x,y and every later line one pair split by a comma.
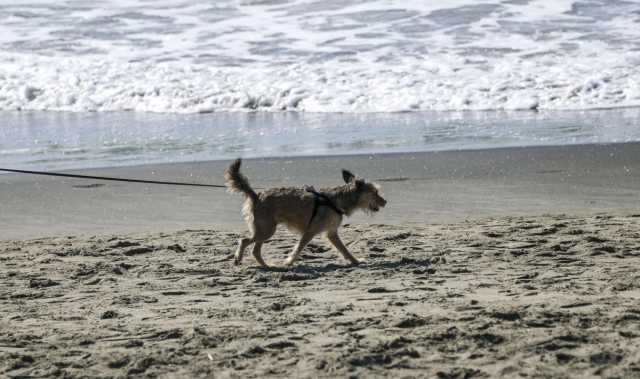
x,y
551,296
466,277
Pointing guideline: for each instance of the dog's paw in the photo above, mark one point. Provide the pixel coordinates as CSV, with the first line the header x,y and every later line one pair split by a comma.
x,y
356,262
289,262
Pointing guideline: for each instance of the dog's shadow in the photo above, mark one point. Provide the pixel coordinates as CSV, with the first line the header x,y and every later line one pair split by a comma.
x,y
401,263
306,269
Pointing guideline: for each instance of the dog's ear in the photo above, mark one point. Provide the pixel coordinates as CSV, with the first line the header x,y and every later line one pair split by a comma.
x,y
347,176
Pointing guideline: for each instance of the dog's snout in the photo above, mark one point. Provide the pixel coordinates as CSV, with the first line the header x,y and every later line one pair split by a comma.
x,y
383,202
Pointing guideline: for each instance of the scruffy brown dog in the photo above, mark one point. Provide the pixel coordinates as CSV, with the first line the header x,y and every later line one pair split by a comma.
x,y
302,210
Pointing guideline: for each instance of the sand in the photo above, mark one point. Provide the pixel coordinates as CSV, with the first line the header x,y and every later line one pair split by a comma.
x,y
550,296
421,188
512,263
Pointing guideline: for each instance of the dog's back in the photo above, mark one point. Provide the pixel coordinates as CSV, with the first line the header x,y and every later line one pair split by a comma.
x,y
288,205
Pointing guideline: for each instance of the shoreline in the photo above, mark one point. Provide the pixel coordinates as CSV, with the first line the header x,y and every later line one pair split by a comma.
x,y
383,154
44,140
422,188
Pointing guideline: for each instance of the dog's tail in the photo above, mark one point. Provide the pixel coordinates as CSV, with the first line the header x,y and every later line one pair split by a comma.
x,y
238,182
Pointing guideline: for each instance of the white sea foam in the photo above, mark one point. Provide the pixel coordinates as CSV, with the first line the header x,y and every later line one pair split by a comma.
x,y
318,56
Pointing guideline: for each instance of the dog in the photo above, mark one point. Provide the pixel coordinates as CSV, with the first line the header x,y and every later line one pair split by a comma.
x,y
303,210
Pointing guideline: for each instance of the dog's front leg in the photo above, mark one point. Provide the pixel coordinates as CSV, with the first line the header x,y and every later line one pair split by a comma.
x,y
304,240
337,243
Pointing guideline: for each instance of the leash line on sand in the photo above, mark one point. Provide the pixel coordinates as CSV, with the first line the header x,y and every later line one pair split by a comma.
x,y
111,178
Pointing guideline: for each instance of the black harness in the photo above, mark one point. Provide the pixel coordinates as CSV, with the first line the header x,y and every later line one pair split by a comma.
x,y
321,200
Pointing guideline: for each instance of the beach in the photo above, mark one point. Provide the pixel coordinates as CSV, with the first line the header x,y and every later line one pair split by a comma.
x,y
503,135
498,262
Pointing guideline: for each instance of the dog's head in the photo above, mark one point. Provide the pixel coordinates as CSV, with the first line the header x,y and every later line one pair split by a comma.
x,y
369,198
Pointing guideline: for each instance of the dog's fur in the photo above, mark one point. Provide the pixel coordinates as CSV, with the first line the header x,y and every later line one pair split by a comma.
x,y
294,208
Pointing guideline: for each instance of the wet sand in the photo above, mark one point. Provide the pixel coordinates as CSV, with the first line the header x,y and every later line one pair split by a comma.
x,y
421,188
510,262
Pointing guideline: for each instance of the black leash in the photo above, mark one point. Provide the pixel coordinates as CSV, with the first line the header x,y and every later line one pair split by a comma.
x,y
111,178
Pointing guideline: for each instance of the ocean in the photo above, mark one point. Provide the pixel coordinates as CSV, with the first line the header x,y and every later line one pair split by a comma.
x,y
123,82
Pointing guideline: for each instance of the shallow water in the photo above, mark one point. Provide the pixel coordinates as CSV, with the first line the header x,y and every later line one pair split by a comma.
x,y
55,140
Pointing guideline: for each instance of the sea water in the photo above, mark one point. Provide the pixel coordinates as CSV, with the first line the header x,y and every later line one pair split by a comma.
x,y
64,140
85,83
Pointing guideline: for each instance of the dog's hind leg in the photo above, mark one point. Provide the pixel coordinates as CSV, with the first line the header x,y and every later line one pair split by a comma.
x,y
304,240
257,254
242,245
337,243
261,232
